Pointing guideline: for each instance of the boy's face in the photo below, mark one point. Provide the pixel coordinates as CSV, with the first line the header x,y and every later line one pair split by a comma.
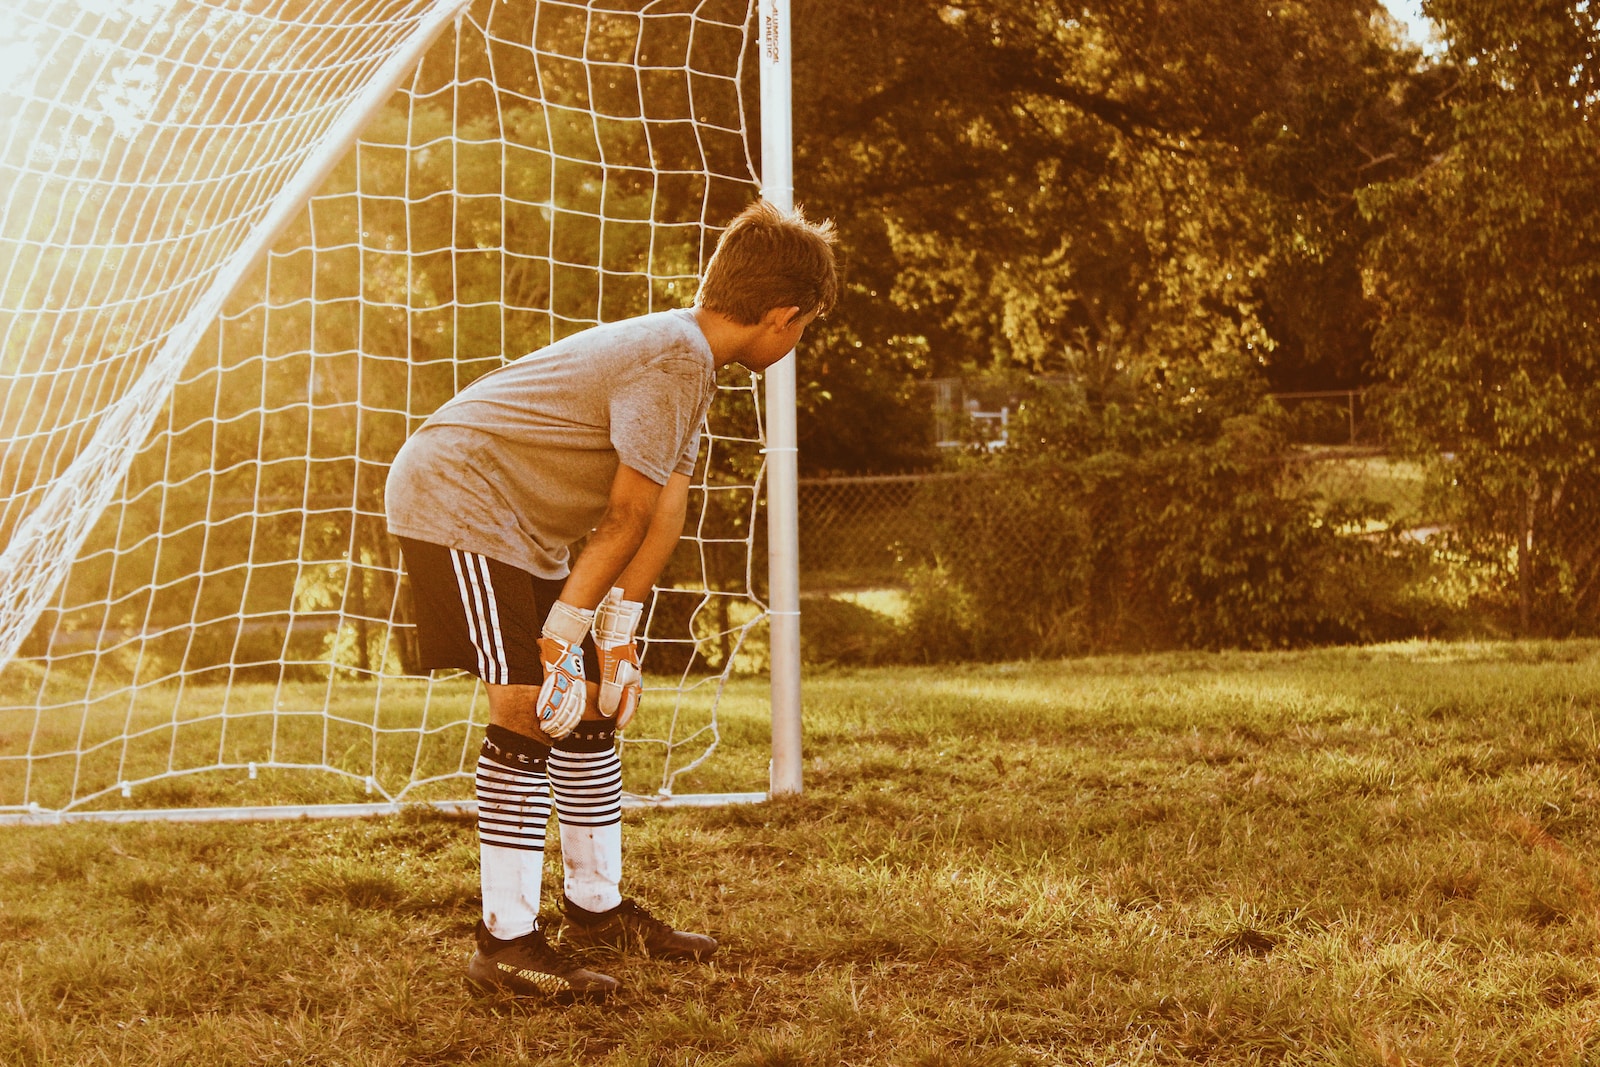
x,y
781,329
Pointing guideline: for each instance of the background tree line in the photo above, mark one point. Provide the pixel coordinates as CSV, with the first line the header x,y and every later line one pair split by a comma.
x,y
1175,208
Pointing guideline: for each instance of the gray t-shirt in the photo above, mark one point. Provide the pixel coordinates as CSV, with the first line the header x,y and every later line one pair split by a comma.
x,y
519,464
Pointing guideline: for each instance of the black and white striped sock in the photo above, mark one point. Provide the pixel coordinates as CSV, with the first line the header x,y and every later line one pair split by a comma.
x,y
588,790
513,812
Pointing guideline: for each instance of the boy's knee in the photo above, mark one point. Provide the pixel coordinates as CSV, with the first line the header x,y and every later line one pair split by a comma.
x,y
515,707
590,735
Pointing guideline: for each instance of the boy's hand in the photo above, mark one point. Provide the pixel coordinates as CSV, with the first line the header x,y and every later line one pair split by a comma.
x,y
621,682
561,697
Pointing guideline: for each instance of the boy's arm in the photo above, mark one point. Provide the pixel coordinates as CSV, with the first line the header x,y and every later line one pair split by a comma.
x,y
620,684
666,529
630,517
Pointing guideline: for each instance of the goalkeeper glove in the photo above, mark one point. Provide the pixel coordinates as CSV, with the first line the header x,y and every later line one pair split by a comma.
x,y
621,682
561,697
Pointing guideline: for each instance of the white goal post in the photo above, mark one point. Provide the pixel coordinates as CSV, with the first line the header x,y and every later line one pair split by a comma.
x,y
249,246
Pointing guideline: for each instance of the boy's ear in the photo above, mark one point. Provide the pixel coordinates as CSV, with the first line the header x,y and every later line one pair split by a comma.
x,y
780,318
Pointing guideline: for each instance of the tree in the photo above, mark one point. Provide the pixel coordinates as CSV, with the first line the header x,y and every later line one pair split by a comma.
x,y
1486,267
1124,183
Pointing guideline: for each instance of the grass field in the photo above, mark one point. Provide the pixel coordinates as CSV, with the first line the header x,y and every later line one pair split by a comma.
x,y
1369,856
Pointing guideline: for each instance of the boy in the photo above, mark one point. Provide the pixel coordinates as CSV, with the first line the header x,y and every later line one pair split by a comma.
x,y
595,435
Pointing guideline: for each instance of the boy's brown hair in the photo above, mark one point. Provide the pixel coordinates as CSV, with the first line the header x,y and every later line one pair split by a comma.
x,y
769,258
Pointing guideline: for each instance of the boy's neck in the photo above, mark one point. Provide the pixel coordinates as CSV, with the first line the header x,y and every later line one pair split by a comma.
x,y
728,339
757,346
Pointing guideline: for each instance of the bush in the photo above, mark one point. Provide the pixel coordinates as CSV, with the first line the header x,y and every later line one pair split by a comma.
x,y
1110,527
837,631
1008,562
942,626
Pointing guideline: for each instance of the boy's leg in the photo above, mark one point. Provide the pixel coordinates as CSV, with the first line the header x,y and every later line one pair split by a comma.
x,y
513,792
586,777
586,774
513,812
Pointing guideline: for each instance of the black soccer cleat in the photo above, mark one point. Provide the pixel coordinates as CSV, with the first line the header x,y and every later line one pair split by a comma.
x,y
628,927
528,967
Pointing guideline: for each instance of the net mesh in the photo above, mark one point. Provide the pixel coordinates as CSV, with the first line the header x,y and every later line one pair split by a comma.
x,y
222,314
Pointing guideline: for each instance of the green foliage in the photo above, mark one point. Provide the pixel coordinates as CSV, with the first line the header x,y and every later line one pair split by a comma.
x,y
1486,266
1150,523
837,630
692,631
1123,179
458,234
939,625
860,411
1256,192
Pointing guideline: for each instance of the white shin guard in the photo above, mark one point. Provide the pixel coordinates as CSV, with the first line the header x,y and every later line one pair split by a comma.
x,y
511,879
592,856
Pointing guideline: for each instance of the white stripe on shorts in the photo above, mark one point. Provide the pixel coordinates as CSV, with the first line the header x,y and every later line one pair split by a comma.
x,y
483,616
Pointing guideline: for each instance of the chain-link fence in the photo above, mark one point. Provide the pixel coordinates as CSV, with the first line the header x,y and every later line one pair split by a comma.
x,y
871,531
863,532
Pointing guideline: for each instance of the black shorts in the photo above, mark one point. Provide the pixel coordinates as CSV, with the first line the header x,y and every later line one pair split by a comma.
x,y
479,615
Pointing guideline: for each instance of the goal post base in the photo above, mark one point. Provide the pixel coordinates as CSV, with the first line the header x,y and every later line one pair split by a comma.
x,y
280,812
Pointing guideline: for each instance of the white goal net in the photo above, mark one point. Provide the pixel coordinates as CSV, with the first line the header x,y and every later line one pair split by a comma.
x,y
248,245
